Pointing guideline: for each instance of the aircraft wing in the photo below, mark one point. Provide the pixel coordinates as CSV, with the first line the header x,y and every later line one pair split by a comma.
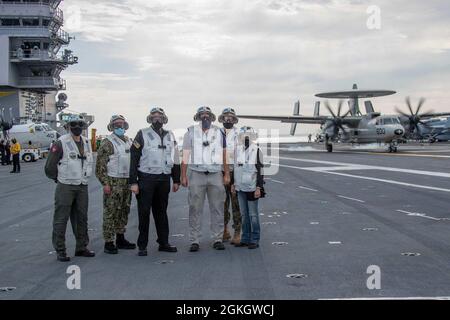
x,y
435,115
351,121
288,119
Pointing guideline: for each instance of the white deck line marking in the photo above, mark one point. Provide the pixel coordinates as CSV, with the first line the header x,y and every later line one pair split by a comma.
x,y
417,214
372,179
276,181
335,168
364,167
426,151
310,189
392,298
348,198
407,154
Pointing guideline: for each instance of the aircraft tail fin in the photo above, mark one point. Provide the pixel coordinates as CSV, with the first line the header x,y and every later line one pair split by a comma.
x,y
296,113
317,109
369,107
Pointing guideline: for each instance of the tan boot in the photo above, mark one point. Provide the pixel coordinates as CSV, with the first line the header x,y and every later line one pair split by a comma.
x,y
226,235
236,238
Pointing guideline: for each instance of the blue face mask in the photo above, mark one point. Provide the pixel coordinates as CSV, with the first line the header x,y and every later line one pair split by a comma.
x,y
119,131
206,123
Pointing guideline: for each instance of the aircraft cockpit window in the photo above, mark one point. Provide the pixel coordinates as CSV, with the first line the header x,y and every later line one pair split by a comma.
x,y
38,128
396,120
388,121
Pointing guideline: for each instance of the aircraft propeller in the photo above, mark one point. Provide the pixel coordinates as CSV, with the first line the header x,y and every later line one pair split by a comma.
x,y
337,122
415,118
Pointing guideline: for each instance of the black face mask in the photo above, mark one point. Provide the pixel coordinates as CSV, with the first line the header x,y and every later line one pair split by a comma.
x,y
247,142
76,131
206,123
228,125
157,125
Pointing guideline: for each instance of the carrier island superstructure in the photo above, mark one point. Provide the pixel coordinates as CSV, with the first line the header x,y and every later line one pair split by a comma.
x,y
33,53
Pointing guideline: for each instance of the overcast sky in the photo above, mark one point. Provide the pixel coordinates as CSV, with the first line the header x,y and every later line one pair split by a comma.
x,y
258,56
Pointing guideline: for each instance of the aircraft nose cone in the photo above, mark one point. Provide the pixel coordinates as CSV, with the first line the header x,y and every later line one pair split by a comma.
x,y
398,132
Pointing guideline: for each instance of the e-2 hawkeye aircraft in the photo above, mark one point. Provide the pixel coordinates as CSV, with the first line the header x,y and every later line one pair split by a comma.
x,y
436,130
354,127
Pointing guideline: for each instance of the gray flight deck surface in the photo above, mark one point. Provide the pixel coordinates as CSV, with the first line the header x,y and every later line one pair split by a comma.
x,y
322,205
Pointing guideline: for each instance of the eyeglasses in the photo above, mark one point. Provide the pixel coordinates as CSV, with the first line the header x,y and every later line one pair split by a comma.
x,y
118,126
228,119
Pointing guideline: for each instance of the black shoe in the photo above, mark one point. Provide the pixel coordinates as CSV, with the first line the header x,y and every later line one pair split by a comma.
x,y
219,245
110,248
253,246
142,253
241,244
123,243
12,172
194,247
62,256
85,253
167,248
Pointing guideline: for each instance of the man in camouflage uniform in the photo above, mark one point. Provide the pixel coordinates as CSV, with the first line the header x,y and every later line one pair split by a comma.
x,y
229,119
112,170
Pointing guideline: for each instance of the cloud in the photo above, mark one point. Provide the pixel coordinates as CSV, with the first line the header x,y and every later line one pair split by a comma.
x,y
258,55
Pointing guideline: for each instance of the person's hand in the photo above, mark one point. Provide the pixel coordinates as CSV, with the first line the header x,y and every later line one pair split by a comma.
x,y
134,188
233,189
226,179
107,190
175,187
184,181
258,193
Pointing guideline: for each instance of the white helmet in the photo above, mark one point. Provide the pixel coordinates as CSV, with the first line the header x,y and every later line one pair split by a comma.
x,y
115,118
228,112
249,132
203,110
157,110
74,119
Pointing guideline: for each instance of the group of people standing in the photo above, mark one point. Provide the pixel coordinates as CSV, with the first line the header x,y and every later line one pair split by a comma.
x,y
222,165
10,149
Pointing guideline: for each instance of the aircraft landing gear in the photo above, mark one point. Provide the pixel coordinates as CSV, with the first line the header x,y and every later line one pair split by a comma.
x,y
393,148
328,145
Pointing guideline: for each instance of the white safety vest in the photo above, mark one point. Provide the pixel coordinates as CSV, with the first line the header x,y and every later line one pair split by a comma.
x,y
72,169
231,137
119,162
207,155
157,156
245,172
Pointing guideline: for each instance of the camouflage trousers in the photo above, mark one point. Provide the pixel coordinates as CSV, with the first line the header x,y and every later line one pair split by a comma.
x,y
232,199
116,208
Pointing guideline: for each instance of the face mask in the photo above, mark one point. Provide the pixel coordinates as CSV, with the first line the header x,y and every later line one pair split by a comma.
x,y
247,142
119,131
157,125
228,125
206,123
76,131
